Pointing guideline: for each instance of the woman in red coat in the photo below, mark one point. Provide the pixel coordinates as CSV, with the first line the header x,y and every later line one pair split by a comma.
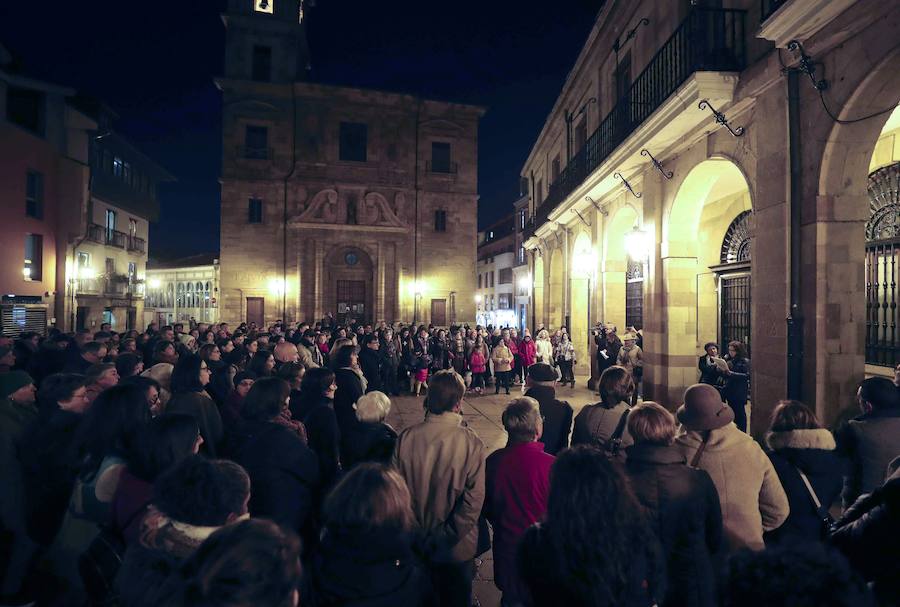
x,y
527,353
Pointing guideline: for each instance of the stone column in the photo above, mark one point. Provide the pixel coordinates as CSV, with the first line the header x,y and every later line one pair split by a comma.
x,y
318,269
380,285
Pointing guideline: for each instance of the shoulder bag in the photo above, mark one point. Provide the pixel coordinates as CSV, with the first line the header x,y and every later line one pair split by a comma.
x,y
824,516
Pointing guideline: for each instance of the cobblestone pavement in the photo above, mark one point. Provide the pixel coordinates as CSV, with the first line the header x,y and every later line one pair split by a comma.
x,y
482,413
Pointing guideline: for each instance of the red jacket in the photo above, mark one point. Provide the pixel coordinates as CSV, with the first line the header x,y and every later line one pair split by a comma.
x,y
527,352
477,362
517,484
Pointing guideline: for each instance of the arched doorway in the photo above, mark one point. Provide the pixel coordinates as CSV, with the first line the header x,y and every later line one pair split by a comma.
x,y
883,249
706,299
582,283
616,279
556,285
349,290
538,299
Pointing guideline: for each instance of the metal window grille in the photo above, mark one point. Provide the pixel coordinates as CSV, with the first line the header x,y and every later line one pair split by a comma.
x,y
734,307
882,266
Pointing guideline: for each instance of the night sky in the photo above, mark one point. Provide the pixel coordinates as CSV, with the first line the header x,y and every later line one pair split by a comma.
x,y
155,67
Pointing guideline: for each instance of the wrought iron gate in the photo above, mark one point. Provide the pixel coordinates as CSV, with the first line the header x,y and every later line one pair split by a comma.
x,y
882,266
734,309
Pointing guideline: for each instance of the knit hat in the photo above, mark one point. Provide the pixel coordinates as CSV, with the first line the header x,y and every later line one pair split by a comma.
x,y
12,381
242,375
542,372
703,409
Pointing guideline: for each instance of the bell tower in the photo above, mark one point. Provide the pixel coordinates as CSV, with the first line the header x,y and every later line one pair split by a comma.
x,y
265,40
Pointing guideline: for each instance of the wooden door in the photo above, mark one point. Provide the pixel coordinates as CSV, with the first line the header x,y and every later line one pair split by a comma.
x,y
351,301
256,311
439,312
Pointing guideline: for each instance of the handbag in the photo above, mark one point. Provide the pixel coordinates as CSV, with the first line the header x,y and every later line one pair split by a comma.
x,y
99,564
825,517
613,447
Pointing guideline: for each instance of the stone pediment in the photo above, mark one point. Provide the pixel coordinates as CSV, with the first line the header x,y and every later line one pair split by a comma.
x,y
328,209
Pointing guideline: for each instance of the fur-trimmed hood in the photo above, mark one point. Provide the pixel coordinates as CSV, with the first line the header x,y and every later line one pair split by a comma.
x,y
801,439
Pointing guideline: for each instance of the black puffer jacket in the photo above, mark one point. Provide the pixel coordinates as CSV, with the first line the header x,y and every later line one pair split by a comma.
x,y
358,568
867,535
683,509
811,451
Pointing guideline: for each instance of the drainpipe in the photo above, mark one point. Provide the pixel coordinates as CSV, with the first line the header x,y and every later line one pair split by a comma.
x,y
794,318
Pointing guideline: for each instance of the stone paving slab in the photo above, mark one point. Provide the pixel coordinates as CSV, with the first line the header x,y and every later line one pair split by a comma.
x,y
482,413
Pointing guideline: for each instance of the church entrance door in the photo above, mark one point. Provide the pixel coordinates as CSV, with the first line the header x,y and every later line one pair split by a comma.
x,y
351,301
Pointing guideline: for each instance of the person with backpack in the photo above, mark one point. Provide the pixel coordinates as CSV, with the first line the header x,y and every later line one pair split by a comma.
x,y
603,424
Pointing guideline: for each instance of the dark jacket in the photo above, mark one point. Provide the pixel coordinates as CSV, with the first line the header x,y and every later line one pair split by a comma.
x,y
595,425
867,535
737,385
77,364
205,411
557,418
323,435
354,568
539,565
682,507
811,451
284,473
349,389
49,469
709,373
370,362
371,442
870,442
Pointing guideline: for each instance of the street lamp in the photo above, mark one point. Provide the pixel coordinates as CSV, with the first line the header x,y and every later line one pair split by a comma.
x,y
525,282
154,283
637,244
478,299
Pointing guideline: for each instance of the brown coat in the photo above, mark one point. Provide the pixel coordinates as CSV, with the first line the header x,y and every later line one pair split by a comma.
x,y
752,498
442,461
502,358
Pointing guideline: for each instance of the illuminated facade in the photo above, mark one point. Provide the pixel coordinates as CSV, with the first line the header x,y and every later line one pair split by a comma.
x,y
495,297
354,202
182,290
686,184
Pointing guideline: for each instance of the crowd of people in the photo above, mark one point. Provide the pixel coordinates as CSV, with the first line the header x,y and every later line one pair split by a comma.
x,y
205,465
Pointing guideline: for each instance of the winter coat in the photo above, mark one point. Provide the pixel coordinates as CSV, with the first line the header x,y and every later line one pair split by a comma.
x,y
709,372
442,461
284,473
477,361
501,358
737,385
527,352
49,469
205,411
544,351
322,433
595,424
517,485
133,496
632,359
867,535
751,496
564,350
15,419
143,579
557,416
870,442
682,507
370,362
349,389
811,451
440,354
308,358
354,568
371,442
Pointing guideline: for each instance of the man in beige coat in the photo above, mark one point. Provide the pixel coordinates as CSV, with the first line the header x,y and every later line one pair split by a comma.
x,y
442,461
751,496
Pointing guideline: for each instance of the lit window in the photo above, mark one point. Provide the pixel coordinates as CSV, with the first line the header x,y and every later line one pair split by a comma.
x,y
264,6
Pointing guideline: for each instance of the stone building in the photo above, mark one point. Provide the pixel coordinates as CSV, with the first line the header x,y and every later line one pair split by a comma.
x,y
521,267
495,298
359,203
711,174
183,289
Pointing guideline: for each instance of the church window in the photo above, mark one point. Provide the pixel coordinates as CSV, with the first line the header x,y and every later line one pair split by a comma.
x,y
440,220
262,63
255,210
354,139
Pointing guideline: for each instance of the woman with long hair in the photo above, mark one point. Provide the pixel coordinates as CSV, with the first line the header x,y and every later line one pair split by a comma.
x,y
189,381
594,549
350,387
262,363
366,553
283,471
314,406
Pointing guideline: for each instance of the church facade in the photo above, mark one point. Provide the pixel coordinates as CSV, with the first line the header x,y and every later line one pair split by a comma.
x,y
359,203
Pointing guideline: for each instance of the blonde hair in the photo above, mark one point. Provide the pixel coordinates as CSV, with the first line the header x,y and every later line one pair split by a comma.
x,y
372,407
370,497
651,423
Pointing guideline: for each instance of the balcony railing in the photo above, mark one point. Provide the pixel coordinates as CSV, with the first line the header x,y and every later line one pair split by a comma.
x,y
87,286
115,238
447,168
95,233
707,40
768,7
254,153
135,243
